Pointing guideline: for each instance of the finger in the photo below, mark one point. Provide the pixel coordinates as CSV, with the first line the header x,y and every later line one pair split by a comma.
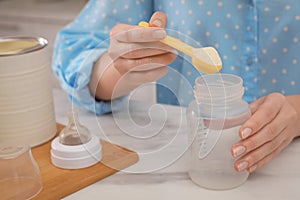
x,y
255,105
128,33
266,112
266,134
144,64
158,19
255,156
268,158
137,50
138,78
147,49
141,53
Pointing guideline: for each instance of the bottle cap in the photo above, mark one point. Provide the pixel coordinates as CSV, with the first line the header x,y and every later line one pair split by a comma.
x,y
75,147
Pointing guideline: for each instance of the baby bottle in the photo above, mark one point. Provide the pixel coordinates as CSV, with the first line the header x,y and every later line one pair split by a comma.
x,y
214,119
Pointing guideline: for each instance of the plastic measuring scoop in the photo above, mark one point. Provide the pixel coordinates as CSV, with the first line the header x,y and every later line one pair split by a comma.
x,y
205,59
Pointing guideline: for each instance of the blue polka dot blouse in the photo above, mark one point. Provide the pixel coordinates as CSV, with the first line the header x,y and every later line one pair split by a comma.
x,y
256,39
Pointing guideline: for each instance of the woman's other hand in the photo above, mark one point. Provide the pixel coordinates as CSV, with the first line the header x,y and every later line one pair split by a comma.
x,y
275,122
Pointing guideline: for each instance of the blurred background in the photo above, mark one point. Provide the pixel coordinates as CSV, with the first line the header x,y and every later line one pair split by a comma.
x,y
37,18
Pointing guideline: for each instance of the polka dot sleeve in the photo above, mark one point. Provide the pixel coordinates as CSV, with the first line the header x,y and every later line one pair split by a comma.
x,y
80,44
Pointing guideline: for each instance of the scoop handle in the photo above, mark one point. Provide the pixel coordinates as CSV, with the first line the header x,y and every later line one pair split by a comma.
x,y
174,42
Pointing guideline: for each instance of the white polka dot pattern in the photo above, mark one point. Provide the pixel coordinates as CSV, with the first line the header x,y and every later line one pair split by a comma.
x,y
257,40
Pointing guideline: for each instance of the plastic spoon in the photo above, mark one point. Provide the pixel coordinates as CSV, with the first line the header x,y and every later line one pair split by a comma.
x,y
205,59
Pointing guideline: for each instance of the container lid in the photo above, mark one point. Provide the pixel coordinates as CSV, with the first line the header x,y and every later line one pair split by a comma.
x,y
10,46
78,156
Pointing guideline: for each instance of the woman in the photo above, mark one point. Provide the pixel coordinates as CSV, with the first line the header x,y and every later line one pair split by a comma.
x,y
103,55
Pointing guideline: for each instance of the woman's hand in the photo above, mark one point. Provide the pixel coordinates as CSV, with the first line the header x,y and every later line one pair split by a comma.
x,y
135,56
275,122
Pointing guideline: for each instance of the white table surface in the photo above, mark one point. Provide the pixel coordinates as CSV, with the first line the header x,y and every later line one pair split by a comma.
x,y
161,172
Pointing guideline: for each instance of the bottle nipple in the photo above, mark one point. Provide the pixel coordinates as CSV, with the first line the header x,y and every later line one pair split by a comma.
x,y
74,133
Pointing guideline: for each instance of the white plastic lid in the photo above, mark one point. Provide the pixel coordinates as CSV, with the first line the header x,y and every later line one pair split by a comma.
x,y
78,156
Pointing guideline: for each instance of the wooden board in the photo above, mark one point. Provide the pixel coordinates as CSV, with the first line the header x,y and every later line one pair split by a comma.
x,y
58,183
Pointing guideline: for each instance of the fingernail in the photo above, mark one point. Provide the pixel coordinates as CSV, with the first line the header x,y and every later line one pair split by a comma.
x,y
242,166
157,23
238,151
252,168
159,34
246,132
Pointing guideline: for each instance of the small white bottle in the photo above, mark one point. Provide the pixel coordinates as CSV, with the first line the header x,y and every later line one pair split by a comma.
x,y
214,119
